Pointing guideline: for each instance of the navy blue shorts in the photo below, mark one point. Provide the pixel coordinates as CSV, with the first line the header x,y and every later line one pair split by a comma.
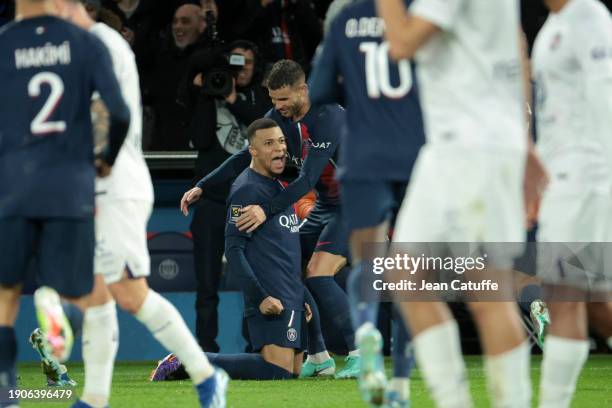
x,y
325,231
60,250
367,203
285,330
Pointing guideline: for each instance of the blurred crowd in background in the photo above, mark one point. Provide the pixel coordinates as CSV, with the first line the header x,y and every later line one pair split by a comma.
x,y
183,49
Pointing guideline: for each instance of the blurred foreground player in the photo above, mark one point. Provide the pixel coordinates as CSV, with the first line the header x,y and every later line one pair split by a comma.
x,y
572,63
48,71
467,184
384,132
123,207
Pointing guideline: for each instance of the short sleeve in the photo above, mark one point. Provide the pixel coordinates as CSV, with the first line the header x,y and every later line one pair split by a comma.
x,y
442,13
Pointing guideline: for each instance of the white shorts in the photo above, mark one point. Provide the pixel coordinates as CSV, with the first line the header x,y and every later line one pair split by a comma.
x,y
465,195
574,236
121,239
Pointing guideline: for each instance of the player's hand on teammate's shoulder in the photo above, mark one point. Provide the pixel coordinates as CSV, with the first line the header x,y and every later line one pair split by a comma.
x,y
535,182
190,197
271,306
103,169
308,313
251,217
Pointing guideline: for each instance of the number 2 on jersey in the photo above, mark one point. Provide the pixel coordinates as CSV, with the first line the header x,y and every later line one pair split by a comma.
x,y
377,71
41,125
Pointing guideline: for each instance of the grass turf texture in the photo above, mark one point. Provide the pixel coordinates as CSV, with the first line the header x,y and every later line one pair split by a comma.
x,y
131,388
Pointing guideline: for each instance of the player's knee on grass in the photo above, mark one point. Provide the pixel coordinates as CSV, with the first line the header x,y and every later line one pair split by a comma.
x,y
279,356
130,294
324,264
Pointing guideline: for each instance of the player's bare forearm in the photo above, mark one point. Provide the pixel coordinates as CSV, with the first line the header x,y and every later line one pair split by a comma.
x,y
100,120
404,32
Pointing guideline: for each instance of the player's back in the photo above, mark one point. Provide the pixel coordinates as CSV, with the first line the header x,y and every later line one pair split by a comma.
x,y
470,74
46,144
384,122
130,178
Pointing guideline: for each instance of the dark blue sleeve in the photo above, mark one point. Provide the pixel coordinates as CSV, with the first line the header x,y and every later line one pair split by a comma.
x,y
323,84
324,141
240,268
236,242
228,170
105,82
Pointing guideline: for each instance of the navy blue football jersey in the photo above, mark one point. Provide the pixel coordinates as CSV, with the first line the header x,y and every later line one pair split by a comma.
x,y
272,252
312,147
384,128
49,69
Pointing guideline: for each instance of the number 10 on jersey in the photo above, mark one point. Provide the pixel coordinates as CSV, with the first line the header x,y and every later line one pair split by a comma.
x,y
377,72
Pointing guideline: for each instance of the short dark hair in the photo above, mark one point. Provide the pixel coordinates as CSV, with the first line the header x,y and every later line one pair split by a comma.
x,y
259,124
285,73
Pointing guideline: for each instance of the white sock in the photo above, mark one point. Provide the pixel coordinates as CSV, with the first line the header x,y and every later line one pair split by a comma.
x,y
609,341
401,385
318,358
508,377
563,360
168,327
354,353
100,343
438,353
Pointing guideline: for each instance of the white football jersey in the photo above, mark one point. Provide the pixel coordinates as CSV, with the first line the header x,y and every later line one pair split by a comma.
x,y
130,178
572,52
470,74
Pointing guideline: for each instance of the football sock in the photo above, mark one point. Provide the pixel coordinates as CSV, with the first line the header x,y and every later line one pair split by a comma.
x,y
74,316
561,365
248,366
8,357
528,294
438,352
508,377
318,358
401,386
401,351
361,310
316,344
100,343
168,327
333,305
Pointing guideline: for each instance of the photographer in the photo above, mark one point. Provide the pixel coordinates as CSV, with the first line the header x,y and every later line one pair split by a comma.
x,y
229,97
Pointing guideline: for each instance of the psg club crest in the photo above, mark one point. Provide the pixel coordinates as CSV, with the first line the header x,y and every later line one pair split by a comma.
x,y
291,334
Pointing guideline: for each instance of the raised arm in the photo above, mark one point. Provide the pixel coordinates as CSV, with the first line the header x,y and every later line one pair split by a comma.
x,y
406,33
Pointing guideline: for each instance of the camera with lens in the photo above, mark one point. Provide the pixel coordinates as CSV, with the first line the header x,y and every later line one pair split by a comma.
x,y
218,80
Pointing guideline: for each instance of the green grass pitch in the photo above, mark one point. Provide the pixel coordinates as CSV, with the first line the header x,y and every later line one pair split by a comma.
x,y
132,390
